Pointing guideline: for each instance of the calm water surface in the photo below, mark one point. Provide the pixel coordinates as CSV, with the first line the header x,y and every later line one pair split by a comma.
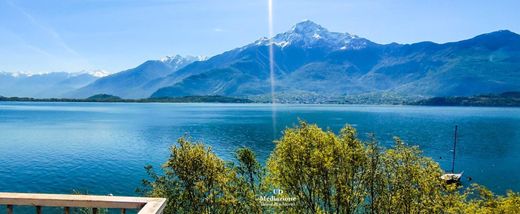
x,y
102,147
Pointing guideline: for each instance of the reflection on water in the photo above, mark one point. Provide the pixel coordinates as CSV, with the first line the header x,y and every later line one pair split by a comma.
x,y
102,147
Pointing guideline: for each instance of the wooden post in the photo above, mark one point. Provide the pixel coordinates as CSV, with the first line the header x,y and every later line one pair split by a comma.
x,y
9,209
94,210
67,210
38,209
123,211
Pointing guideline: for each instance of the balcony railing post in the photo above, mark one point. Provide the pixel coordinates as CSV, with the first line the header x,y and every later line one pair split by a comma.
x,y
143,205
9,209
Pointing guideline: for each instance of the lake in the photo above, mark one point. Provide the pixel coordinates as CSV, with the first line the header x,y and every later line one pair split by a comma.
x,y
102,148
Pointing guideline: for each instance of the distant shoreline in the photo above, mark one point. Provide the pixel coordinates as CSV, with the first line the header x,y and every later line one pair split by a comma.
x,y
506,99
113,99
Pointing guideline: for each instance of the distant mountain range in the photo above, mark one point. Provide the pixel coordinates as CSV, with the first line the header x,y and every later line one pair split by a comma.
x,y
45,85
311,61
136,82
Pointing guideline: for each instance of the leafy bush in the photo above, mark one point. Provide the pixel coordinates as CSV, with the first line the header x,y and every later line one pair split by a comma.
x,y
323,172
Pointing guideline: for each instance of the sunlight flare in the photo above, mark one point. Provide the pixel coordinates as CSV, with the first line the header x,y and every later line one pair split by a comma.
x,y
271,67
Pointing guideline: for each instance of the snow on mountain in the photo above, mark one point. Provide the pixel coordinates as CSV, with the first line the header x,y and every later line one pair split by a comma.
x,y
308,34
177,62
98,73
132,83
43,85
178,59
310,60
94,73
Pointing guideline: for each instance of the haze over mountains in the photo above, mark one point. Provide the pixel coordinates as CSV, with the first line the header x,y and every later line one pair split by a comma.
x,y
45,85
135,82
311,61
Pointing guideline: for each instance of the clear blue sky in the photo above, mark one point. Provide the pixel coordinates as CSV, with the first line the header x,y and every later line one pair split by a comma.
x,y
74,35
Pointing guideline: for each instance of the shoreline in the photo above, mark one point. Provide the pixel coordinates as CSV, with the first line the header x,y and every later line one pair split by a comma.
x,y
252,103
510,99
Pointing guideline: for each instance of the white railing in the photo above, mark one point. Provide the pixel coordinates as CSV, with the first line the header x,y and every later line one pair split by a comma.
x,y
143,204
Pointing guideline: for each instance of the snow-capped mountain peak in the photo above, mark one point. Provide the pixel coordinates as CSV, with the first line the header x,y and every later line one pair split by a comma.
x,y
177,62
9,74
308,34
307,27
94,73
179,59
99,73
172,59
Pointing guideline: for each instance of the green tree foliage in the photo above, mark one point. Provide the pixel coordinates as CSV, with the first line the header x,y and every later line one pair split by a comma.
x,y
325,172
195,180
341,174
249,168
484,201
247,181
411,182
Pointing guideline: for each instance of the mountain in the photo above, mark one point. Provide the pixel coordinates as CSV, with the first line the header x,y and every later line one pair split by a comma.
x,y
312,61
308,34
245,70
132,82
45,85
311,64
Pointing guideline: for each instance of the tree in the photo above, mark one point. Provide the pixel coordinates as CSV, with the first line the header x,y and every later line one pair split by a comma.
x,y
249,168
350,161
194,180
411,181
324,171
374,177
246,181
341,174
481,200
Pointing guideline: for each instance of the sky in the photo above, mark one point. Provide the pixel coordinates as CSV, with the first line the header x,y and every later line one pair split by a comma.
x,y
113,35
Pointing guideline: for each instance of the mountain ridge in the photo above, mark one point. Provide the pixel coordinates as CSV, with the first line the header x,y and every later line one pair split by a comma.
x,y
311,61
44,85
311,66
131,83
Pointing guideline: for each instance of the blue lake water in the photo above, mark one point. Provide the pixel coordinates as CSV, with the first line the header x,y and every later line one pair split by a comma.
x,y
102,147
